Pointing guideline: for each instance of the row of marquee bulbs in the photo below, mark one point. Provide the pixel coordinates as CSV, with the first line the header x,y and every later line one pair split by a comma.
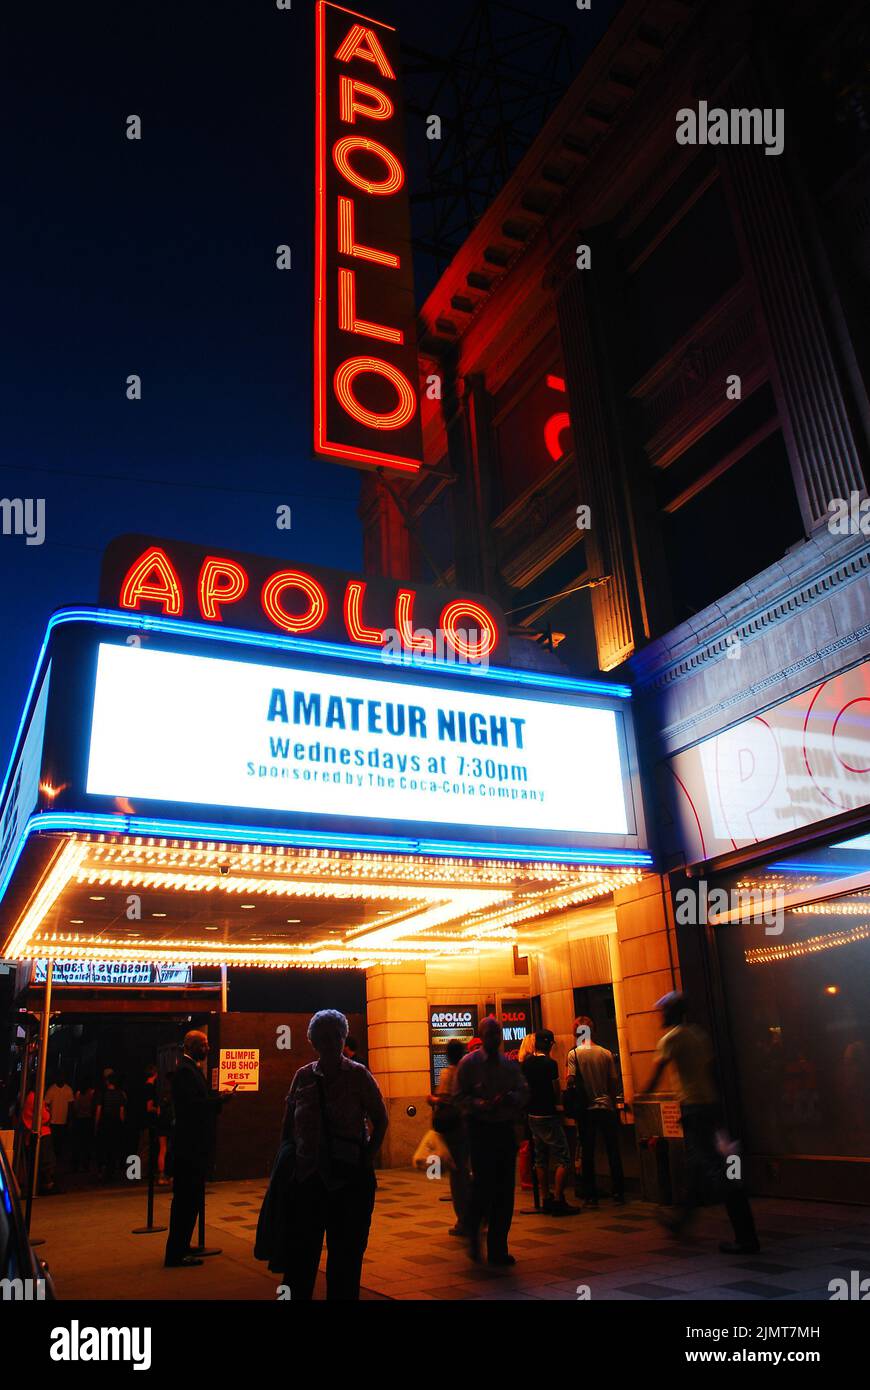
x,y
766,955
492,914
353,864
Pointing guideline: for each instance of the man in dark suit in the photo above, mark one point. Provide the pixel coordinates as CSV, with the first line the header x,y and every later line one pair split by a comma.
x,y
192,1138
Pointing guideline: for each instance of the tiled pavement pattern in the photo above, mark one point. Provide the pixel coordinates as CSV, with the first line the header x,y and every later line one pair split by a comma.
x,y
621,1253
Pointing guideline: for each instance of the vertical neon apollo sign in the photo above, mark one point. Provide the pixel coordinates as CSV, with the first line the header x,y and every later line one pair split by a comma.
x,y
366,379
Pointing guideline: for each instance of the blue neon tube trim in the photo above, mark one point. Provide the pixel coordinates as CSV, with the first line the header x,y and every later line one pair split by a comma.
x,y
306,647
60,821
317,839
106,617
19,734
847,870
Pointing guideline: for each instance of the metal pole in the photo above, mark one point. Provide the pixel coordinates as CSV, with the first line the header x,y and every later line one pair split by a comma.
x,y
20,1151
39,1093
201,1250
223,989
149,1228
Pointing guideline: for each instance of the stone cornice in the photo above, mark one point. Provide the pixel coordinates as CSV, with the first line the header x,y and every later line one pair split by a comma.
x,y
635,44
750,612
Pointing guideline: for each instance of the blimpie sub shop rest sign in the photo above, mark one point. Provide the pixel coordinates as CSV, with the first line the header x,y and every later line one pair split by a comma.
x,y
239,1069
366,393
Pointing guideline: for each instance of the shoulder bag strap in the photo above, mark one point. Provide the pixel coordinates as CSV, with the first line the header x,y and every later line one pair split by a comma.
x,y
324,1116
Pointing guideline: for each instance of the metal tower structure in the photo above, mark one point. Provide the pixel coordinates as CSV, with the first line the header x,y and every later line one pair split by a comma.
x,y
492,94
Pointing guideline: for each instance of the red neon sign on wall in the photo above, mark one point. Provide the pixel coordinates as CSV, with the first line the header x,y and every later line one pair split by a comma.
x,y
178,579
366,376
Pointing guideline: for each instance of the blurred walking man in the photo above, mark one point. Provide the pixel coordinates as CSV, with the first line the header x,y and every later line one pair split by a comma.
x,y
688,1049
493,1093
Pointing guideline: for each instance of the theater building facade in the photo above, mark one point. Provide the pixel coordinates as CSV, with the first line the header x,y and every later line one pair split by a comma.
x,y
651,448
593,723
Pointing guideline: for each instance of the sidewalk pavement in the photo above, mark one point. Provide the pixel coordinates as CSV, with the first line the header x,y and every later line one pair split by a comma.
x,y
614,1252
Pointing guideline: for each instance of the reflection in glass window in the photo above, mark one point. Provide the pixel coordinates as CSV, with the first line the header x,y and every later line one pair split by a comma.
x,y
797,985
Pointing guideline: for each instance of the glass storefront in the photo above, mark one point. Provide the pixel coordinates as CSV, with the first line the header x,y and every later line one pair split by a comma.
x,y
795,963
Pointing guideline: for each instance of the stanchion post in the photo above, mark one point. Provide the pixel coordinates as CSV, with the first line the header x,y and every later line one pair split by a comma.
x,y
149,1227
39,1095
202,1249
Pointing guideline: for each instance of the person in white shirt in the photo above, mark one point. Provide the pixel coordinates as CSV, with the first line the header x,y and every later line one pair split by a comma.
x,y
687,1050
59,1097
592,1076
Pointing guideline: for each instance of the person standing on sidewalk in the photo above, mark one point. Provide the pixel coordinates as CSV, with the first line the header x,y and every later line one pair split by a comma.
x,y
59,1097
493,1093
44,1181
83,1109
688,1049
192,1138
335,1121
109,1122
592,1074
545,1122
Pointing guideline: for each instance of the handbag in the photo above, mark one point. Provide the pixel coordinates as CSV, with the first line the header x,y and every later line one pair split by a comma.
x,y
432,1145
341,1169
273,1224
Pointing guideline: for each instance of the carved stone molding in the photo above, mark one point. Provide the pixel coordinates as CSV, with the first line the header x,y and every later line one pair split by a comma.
x,y
655,668
685,730
680,395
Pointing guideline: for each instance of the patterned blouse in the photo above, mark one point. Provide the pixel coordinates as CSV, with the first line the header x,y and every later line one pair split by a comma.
x,y
352,1098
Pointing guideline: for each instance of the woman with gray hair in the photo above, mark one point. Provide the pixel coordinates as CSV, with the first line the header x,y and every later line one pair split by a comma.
x,y
335,1122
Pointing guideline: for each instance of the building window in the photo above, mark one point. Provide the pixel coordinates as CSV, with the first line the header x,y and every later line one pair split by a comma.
x,y
676,286
736,527
532,429
796,985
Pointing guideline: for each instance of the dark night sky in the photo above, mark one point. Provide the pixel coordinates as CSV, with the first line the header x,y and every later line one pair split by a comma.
x,y
158,257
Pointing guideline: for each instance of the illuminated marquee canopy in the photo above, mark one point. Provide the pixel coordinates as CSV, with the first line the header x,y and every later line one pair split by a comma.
x,y
272,799
367,395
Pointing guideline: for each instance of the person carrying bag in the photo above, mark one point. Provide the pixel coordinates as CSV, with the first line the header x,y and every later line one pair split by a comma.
x,y
272,1242
323,1181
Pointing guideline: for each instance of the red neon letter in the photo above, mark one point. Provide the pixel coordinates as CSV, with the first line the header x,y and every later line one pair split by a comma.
x,y
411,640
343,148
557,424
212,593
364,43
347,319
349,92
354,367
153,578
482,620
347,239
356,628
293,579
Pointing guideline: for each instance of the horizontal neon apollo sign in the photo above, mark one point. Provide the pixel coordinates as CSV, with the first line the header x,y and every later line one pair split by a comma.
x,y
296,602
